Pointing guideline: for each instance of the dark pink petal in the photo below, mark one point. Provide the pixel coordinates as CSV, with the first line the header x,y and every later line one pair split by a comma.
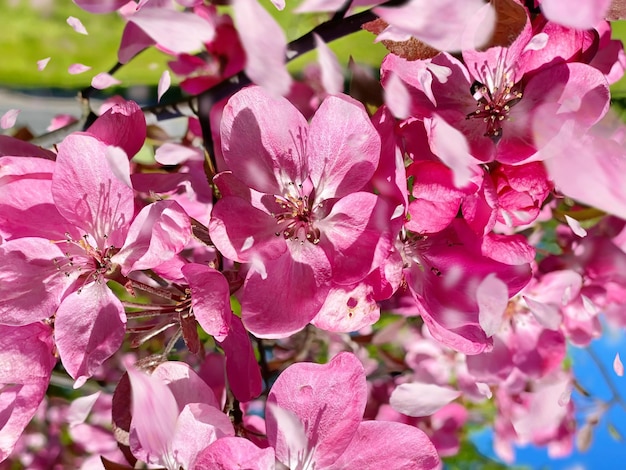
x,y
329,399
242,369
198,425
264,140
31,285
283,299
103,80
265,44
100,6
379,444
421,399
159,232
122,125
154,416
343,148
186,386
355,236
89,328
87,193
10,146
210,299
134,40
234,453
242,232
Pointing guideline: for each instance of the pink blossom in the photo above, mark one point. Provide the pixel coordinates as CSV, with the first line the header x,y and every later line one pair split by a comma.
x,y
314,417
299,189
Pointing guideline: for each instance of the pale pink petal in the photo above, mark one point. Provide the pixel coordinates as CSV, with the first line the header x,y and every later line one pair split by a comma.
x,y
75,69
575,226
618,367
586,15
119,164
343,148
31,286
332,76
549,316
234,453
439,24
176,31
295,442
76,25
80,408
27,358
185,384
104,80
89,328
329,399
421,399
155,413
379,444
265,44
397,97
348,309
160,231
451,147
198,426
8,119
210,299
41,64
88,194
242,369
164,84
174,154
271,128
492,296
100,6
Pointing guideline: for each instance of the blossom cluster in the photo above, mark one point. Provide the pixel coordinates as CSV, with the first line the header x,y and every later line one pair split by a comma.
x,y
311,277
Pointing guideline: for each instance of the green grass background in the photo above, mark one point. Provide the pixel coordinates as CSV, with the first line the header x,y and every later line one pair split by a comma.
x,y
31,30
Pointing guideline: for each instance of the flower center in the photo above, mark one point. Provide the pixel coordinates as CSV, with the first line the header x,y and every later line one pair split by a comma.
x,y
296,219
493,106
84,259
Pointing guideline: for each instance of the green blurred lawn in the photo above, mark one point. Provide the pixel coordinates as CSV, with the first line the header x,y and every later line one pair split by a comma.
x,y
32,30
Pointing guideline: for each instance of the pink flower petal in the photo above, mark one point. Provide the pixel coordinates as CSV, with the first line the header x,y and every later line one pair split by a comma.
x,y
75,69
242,369
122,125
164,84
265,44
332,76
234,453
329,399
210,299
76,25
104,80
41,64
80,408
397,97
160,231
586,15
575,226
155,413
89,328
379,444
421,399
8,119
100,6
618,367
186,385
492,296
